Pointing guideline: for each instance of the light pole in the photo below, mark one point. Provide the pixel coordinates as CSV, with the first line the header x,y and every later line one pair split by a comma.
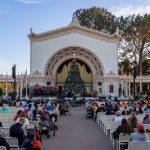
x,y
134,77
14,77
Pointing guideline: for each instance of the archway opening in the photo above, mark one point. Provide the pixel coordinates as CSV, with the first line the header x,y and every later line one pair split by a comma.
x,y
64,68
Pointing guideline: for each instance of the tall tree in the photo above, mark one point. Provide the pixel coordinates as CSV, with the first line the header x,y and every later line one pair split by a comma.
x,y
136,38
97,18
125,67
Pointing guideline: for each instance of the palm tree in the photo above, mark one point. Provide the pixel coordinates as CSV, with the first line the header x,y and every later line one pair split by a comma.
x,y
125,66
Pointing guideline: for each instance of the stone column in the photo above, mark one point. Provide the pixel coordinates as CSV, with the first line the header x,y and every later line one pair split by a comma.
x,y
21,87
129,89
121,88
17,83
141,89
6,94
116,88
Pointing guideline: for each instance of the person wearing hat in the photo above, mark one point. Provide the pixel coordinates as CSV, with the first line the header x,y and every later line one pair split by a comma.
x,y
141,135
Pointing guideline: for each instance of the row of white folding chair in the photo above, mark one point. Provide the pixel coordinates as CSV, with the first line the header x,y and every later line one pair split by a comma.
x,y
13,142
125,139
5,131
147,126
139,145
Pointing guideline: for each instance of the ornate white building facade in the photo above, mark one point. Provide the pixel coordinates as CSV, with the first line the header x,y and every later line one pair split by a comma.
x,y
96,52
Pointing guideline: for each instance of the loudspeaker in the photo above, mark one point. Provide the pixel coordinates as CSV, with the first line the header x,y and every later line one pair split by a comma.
x,y
48,83
99,83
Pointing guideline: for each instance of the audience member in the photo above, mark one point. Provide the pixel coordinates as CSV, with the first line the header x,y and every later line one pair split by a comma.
x,y
146,119
141,135
17,131
133,120
3,142
125,111
118,117
17,115
124,128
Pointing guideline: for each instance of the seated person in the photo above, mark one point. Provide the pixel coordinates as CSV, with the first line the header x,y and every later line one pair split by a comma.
x,y
24,115
146,119
123,128
133,120
3,142
141,135
125,111
17,115
17,131
140,111
118,117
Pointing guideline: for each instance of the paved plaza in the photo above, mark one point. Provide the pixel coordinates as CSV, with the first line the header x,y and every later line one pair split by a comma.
x,y
77,133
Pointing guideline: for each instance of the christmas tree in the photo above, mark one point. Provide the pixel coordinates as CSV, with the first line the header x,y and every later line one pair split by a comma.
x,y
74,84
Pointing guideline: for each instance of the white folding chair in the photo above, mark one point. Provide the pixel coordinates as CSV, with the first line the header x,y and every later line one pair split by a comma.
x,y
123,139
35,123
13,142
3,148
139,145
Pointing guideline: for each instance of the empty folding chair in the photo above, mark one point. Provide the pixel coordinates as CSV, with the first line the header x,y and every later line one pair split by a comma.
x,y
139,145
123,139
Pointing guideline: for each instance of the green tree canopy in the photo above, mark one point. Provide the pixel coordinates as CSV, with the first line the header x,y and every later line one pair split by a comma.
x,y
97,18
135,31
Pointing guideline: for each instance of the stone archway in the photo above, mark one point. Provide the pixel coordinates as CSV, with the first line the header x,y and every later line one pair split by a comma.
x,y
65,54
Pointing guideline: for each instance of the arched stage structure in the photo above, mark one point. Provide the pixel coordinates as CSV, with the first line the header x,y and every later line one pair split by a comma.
x,y
95,52
97,56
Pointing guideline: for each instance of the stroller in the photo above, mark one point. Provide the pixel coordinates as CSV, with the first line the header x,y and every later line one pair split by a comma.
x,y
90,113
46,126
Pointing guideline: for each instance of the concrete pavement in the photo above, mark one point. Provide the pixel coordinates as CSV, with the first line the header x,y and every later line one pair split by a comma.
x,y
76,133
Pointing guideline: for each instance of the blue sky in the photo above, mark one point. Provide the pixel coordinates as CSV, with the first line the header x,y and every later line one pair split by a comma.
x,y
17,16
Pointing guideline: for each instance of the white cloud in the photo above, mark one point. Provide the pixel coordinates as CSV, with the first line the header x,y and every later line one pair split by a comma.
x,y
32,1
129,10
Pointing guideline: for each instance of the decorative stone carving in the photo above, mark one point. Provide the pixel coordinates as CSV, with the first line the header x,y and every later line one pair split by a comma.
x,y
85,55
37,74
111,73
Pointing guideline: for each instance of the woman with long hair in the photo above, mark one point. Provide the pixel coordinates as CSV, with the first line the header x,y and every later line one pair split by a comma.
x,y
124,128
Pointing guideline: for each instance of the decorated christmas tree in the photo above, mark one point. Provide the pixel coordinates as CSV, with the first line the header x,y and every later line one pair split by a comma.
x,y
74,84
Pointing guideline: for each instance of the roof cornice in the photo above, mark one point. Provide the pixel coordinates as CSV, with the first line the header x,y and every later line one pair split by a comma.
x,y
73,28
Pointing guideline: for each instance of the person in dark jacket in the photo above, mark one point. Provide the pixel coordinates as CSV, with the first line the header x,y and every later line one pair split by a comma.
x,y
3,142
17,131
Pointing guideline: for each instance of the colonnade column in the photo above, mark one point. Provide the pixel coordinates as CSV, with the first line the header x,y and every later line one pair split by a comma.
x,y
6,88
117,88
141,90
121,88
21,85
126,88
129,89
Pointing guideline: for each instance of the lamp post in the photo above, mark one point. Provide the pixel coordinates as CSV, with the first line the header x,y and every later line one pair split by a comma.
x,y
134,77
14,77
